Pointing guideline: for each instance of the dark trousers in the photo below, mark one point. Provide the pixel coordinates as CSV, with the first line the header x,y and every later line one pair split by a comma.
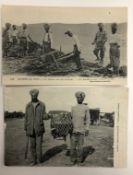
x,y
46,47
36,148
99,51
77,60
77,141
23,46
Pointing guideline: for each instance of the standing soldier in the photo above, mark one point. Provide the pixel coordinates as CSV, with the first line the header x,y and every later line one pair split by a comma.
x,y
14,35
6,39
99,41
81,121
47,39
76,49
24,37
114,52
34,126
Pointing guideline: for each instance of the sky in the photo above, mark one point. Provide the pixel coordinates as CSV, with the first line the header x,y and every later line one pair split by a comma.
x,y
30,14
63,98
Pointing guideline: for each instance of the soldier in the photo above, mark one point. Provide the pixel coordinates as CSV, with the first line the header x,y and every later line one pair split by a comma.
x,y
24,37
14,35
34,126
76,49
47,39
114,52
7,39
81,121
99,41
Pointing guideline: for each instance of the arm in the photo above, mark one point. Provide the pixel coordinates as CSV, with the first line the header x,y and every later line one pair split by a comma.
x,y
105,37
87,122
94,40
45,116
51,40
25,119
29,37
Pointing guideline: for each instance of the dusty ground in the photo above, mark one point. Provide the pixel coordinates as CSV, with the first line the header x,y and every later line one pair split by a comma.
x,y
35,66
98,151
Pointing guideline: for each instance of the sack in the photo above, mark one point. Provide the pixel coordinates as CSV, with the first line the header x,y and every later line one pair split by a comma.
x,y
61,123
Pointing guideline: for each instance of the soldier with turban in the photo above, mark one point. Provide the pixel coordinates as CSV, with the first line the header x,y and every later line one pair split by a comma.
x,y
76,48
81,121
99,41
34,126
114,52
6,39
47,39
24,38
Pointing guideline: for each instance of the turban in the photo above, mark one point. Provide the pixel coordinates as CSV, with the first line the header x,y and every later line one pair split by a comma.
x,y
46,26
68,32
34,91
80,94
100,24
8,24
114,25
24,25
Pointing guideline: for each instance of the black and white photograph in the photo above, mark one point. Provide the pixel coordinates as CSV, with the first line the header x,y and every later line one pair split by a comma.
x,y
64,42
65,126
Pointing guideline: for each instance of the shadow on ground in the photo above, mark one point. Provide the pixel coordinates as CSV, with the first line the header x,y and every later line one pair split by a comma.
x,y
52,152
88,150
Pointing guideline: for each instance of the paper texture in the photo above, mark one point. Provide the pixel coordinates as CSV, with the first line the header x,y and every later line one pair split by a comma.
x,y
31,61
106,144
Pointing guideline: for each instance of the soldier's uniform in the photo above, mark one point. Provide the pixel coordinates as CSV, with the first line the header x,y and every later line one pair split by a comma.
x,y
34,128
47,42
100,39
114,52
15,37
23,35
47,39
81,121
6,39
76,49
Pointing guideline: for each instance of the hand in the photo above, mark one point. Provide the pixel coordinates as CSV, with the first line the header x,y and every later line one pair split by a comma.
x,y
86,132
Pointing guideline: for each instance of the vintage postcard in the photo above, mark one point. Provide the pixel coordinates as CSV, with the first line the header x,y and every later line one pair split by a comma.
x,y
65,126
64,45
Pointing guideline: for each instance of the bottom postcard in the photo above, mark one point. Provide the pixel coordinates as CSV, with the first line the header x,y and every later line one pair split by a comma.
x,y
65,126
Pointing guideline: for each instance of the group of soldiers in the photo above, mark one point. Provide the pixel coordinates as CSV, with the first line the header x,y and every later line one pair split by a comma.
x,y
34,127
14,36
20,36
114,41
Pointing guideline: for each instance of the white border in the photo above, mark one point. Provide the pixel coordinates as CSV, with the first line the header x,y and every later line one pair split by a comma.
x,y
83,171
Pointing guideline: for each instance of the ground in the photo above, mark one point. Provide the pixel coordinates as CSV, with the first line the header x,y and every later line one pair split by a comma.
x,y
98,150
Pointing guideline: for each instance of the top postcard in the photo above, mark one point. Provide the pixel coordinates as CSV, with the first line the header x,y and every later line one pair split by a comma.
x,y
64,45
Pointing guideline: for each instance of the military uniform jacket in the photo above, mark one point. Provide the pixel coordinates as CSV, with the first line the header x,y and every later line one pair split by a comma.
x,y
34,119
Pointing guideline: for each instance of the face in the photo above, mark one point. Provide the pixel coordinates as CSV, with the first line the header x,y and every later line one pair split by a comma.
x,y
14,27
8,26
101,28
34,97
80,99
114,29
24,26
